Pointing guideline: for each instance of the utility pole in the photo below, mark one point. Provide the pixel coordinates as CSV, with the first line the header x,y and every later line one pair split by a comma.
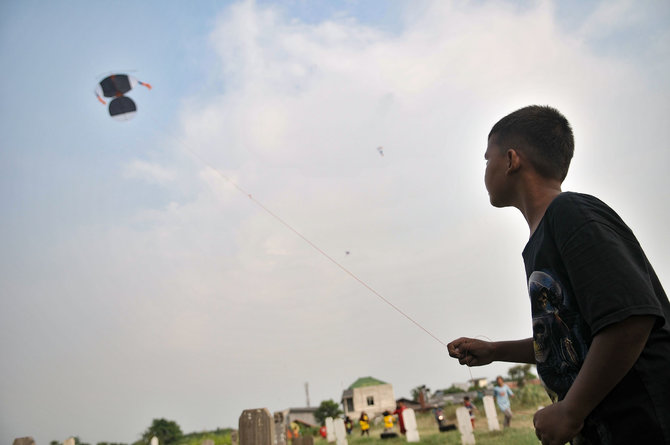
x,y
307,392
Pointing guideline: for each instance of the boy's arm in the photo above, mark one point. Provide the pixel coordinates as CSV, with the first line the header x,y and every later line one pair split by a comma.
x,y
612,354
474,352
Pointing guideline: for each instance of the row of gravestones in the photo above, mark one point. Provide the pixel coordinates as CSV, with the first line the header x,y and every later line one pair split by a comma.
x,y
258,427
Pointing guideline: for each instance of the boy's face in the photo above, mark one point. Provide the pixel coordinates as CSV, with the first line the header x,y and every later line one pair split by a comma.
x,y
495,177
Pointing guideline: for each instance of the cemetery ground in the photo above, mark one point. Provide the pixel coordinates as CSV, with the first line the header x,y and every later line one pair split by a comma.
x,y
521,431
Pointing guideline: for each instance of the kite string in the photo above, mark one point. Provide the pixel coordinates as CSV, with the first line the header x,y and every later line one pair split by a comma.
x,y
304,238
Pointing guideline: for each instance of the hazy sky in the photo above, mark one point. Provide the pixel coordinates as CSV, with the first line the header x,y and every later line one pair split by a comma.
x,y
136,282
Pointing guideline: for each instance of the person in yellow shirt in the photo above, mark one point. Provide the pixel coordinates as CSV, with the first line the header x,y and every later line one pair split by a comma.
x,y
388,422
364,422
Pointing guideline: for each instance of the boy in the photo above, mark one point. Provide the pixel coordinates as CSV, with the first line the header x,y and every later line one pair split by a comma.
x,y
471,409
601,320
502,393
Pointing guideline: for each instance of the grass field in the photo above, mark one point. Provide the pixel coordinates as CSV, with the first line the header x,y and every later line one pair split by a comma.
x,y
520,433
524,406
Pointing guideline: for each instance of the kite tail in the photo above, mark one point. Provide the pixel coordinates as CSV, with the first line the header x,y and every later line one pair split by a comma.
x,y
101,100
144,84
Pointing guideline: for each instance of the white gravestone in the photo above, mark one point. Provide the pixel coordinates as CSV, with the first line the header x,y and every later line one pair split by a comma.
x,y
465,426
491,414
330,429
69,441
154,440
409,420
340,432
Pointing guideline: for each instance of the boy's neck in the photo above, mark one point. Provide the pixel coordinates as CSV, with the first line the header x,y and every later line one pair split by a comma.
x,y
533,204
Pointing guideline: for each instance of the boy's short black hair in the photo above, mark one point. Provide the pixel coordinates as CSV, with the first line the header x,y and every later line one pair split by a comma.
x,y
543,134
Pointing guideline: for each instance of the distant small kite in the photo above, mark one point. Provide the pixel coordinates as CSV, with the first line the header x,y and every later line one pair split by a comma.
x,y
122,107
381,150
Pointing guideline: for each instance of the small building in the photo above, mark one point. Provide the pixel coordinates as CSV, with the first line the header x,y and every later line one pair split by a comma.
x,y
370,395
303,416
479,382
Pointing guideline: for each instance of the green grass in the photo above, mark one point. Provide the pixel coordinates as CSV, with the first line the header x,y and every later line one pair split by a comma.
x,y
521,432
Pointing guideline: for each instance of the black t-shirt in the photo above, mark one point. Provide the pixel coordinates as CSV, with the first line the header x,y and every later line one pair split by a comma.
x,y
586,270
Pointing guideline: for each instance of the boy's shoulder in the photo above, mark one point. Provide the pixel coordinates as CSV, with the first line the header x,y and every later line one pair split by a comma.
x,y
575,209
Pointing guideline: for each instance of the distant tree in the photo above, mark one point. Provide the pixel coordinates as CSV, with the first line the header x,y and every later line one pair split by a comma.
x,y
452,390
520,374
328,408
416,393
54,442
167,432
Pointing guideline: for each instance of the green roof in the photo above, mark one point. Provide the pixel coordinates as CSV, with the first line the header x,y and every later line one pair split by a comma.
x,y
366,381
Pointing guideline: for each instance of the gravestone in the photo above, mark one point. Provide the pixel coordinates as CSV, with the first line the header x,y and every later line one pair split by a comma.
x,y
208,442
24,441
280,428
234,437
409,420
330,429
154,441
256,427
340,432
491,414
69,441
465,426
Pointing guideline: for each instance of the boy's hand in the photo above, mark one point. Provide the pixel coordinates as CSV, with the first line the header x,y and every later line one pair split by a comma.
x,y
554,425
471,352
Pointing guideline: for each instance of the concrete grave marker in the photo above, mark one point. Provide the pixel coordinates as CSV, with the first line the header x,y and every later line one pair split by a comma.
x,y
69,441
208,442
280,428
491,414
465,426
24,441
330,429
235,437
340,432
409,420
256,427
154,441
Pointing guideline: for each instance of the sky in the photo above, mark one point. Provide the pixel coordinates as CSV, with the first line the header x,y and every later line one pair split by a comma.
x,y
138,280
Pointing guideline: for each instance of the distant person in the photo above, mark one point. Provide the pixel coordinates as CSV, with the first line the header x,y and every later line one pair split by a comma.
x,y
388,421
399,408
439,415
348,424
502,393
471,409
295,428
364,422
601,319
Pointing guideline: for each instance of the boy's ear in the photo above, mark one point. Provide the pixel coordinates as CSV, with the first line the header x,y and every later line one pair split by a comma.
x,y
513,160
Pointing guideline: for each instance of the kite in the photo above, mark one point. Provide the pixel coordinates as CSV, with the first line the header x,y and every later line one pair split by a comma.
x,y
122,107
381,150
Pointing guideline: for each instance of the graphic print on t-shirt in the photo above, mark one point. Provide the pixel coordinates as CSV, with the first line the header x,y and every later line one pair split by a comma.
x,y
559,346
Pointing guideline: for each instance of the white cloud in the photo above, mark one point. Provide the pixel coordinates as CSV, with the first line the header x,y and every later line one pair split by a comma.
x,y
214,282
149,172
